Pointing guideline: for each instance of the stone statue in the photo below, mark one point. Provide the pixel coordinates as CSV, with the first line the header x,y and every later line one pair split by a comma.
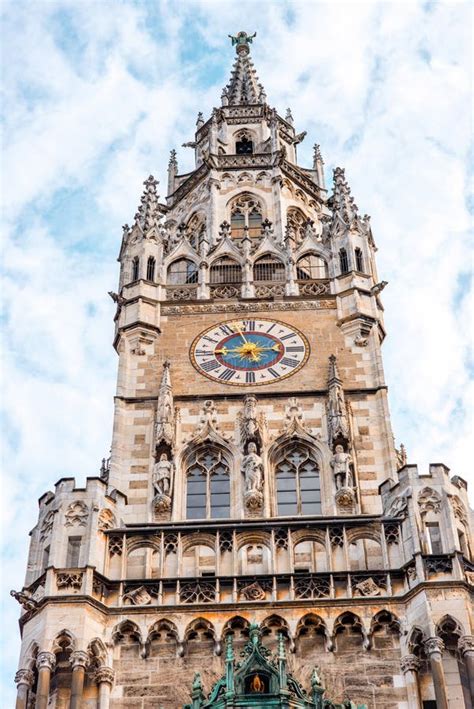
x,y
340,464
162,471
252,466
242,39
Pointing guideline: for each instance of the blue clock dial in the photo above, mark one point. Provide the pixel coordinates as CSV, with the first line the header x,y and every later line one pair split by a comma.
x,y
249,352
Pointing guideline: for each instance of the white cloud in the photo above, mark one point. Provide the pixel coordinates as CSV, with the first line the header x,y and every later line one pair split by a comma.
x,y
94,101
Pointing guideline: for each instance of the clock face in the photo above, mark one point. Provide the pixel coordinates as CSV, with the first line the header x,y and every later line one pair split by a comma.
x,y
243,352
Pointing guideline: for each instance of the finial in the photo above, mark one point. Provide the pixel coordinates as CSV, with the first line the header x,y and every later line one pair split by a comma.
x,y
199,120
173,159
315,678
317,153
289,116
241,42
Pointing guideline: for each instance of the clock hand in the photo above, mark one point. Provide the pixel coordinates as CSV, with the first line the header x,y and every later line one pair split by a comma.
x,y
239,330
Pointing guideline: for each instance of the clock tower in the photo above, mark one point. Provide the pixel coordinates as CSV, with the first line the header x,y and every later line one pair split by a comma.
x,y
253,488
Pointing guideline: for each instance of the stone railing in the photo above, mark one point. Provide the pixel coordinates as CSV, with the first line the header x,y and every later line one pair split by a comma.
x,y
266,289
248,160
222,291
182,292
315,287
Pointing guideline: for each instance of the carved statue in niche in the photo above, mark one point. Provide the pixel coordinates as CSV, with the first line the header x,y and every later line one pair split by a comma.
x,y
162,475
250,424
341,465
165,419
252,467
338,420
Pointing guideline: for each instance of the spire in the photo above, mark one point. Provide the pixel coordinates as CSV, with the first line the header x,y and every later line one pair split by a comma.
x,y
342,200
149,211
244,86
318,165
338,420
164,429
172,171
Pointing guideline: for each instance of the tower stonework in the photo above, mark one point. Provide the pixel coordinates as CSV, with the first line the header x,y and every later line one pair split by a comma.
x,y
253,477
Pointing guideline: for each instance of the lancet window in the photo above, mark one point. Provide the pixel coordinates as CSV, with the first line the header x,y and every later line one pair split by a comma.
x,y
225,270
208,485
296,224
135,269
150,269
343,261
195,229
311,267
268,268
182,271
359,259
246,217
297,481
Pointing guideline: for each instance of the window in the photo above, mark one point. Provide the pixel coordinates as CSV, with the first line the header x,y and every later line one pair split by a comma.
x,y
297,481
150,269
196,229
359,260
46,558
434,538
311,267
268,268
296,224
73,551
135,269
225,270
244,145
462,543
182,271
343,262
246,217
208,487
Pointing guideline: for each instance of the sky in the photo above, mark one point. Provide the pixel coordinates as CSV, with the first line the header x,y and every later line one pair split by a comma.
x,y
95,95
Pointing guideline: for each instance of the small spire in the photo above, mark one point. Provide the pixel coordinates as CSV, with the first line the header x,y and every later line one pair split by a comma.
x,y
172,171
289,117
317,157
199,120
149,211
338,419
165,423
244,86
342,199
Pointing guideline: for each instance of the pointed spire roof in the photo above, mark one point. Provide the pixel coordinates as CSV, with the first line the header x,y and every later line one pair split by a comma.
x,y
164,428
342,200
244,86
149,211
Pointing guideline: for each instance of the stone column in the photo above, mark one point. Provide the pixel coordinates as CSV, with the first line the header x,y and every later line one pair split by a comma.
x,y
79,660
45,663
24,681
434,650
410,666
104,677
466,648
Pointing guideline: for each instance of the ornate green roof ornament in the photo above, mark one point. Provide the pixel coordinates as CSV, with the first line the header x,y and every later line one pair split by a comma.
x,y
241,41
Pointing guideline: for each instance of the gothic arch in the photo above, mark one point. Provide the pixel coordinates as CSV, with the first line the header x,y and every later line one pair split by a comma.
x,y
64,641
97,653
199,538
182,271
308,535
296,460
386,623
29,658
139,542
415,642
269,267
311,265
448,628
348,626
311,625
246,538
126,628
236,623
163,633
207,470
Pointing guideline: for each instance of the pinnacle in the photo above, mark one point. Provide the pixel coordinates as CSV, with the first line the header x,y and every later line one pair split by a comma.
x,y
342,199
244,86
148,212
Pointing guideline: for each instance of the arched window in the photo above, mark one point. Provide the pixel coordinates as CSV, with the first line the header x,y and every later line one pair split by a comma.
x,y
150,269
365,554
296,224
310,556
311,267
195,229
135,269
297,481
225,270
199,560
208,486
343,262
359,259
246,217
268,268
244,144
182,271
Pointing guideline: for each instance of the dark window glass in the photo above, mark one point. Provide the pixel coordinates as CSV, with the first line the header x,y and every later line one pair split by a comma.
x,y
135,269
150,269
182,271
244,146
225,270
359,260
268,269
237,224
298,482
343,262
208,486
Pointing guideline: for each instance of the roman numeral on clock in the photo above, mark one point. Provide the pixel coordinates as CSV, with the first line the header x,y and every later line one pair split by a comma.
x,y
202,353
210,366
250,377
287,362
287,337
273,372
226,330
249,325
300,348
227,374
209,339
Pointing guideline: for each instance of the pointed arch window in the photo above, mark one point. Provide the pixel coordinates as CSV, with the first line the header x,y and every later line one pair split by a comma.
x,y
343,261
150,269
246,217
196,230
244,145
297,481
208,485
135,269
268,268
182,271
359,259
225,270
311,267
296,224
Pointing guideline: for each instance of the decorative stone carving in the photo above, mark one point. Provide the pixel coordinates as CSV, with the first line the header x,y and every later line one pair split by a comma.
x,y
466,644
25,676
45,659
434,646
409,663
312,587
438,564
281,538
76,514
429,500
459,509
397,507
392,533
162,474
47,525
197,592
226,541
115,546
79,658
411,573
252,468
341,466
345,499
165,418
401,454
251,422
469,577
25,599
138,596
336,536
106,520
338,420
253,592
368,587
69,581
161,505
171,543
104,675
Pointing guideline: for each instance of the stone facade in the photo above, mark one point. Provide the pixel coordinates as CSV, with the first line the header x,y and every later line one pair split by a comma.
x,y
129,591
